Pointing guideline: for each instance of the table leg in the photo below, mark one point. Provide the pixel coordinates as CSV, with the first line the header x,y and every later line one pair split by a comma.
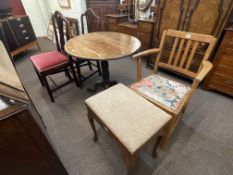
x,y
105,78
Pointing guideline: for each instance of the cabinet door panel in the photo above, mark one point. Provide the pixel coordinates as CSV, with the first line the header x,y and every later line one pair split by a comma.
x,y
171,16
102,8
208,23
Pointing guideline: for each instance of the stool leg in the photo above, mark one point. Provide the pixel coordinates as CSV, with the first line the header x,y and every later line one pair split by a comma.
x,y
158,141
92,123
130,161
168,131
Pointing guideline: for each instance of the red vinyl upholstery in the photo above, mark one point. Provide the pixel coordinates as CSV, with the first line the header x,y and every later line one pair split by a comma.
x,y
45,61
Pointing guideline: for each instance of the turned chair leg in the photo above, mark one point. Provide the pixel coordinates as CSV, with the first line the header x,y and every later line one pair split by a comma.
x,y
39,76
79,75
74,75
45,81
67,73
92,123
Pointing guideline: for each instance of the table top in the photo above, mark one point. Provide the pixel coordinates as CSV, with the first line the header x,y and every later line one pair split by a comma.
x,y
102,46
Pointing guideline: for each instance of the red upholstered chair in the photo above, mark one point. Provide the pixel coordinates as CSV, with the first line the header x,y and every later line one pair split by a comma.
x,y
54,62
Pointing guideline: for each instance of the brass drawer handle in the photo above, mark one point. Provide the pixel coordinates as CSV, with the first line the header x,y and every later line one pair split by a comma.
x,y
144,26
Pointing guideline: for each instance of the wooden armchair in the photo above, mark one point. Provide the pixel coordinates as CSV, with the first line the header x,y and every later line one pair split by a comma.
x,y
169,95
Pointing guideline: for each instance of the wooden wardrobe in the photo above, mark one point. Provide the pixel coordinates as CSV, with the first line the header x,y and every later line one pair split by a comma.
x,y
102,8
199,16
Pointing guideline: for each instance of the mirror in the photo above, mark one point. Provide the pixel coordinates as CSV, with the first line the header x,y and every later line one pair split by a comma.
x,y
144,4
10,85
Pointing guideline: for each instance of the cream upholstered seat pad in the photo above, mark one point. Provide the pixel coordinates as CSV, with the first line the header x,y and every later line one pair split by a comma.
x,y
165,91
130,117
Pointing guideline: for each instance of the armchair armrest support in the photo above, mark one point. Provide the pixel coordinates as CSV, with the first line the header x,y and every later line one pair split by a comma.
x,y
139,60
205,68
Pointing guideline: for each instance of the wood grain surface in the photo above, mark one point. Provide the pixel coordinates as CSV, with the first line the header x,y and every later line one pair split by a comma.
x,y
102,46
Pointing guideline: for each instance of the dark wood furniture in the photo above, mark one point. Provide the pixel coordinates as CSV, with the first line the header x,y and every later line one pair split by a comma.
x,y
24,144
143,30
50,63
102,46
205,17
101,8
221,77
17,34
92,22
23,147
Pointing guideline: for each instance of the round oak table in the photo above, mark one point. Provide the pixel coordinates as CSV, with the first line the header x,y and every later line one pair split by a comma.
x,y
102,46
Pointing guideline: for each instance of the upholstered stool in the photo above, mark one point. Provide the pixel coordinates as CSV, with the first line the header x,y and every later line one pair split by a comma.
x,y
129,118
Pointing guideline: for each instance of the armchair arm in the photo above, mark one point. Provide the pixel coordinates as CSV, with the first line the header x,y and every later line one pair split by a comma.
x,y
146,52
139,61
206,67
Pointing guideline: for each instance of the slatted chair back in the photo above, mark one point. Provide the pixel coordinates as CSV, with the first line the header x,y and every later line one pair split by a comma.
x,y
61,29
92,21
185,45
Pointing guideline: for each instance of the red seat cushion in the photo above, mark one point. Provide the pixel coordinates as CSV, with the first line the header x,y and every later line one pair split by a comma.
x,y
48,60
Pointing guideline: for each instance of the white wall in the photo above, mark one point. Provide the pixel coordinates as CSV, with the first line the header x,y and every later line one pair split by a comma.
x,y
77,8
39,12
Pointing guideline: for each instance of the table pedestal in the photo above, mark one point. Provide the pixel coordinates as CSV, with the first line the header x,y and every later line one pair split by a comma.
x,y
105,76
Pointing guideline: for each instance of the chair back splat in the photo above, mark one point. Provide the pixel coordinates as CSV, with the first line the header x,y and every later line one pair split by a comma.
x,y
61,30
92,21
184,45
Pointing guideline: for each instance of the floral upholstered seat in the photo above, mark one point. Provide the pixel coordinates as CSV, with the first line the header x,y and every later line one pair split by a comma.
x,y
167,92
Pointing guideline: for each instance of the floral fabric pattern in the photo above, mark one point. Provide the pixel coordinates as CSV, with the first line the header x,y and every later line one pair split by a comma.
x,y
163,90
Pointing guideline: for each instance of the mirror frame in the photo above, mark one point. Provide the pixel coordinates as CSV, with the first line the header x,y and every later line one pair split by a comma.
x,y
146,7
